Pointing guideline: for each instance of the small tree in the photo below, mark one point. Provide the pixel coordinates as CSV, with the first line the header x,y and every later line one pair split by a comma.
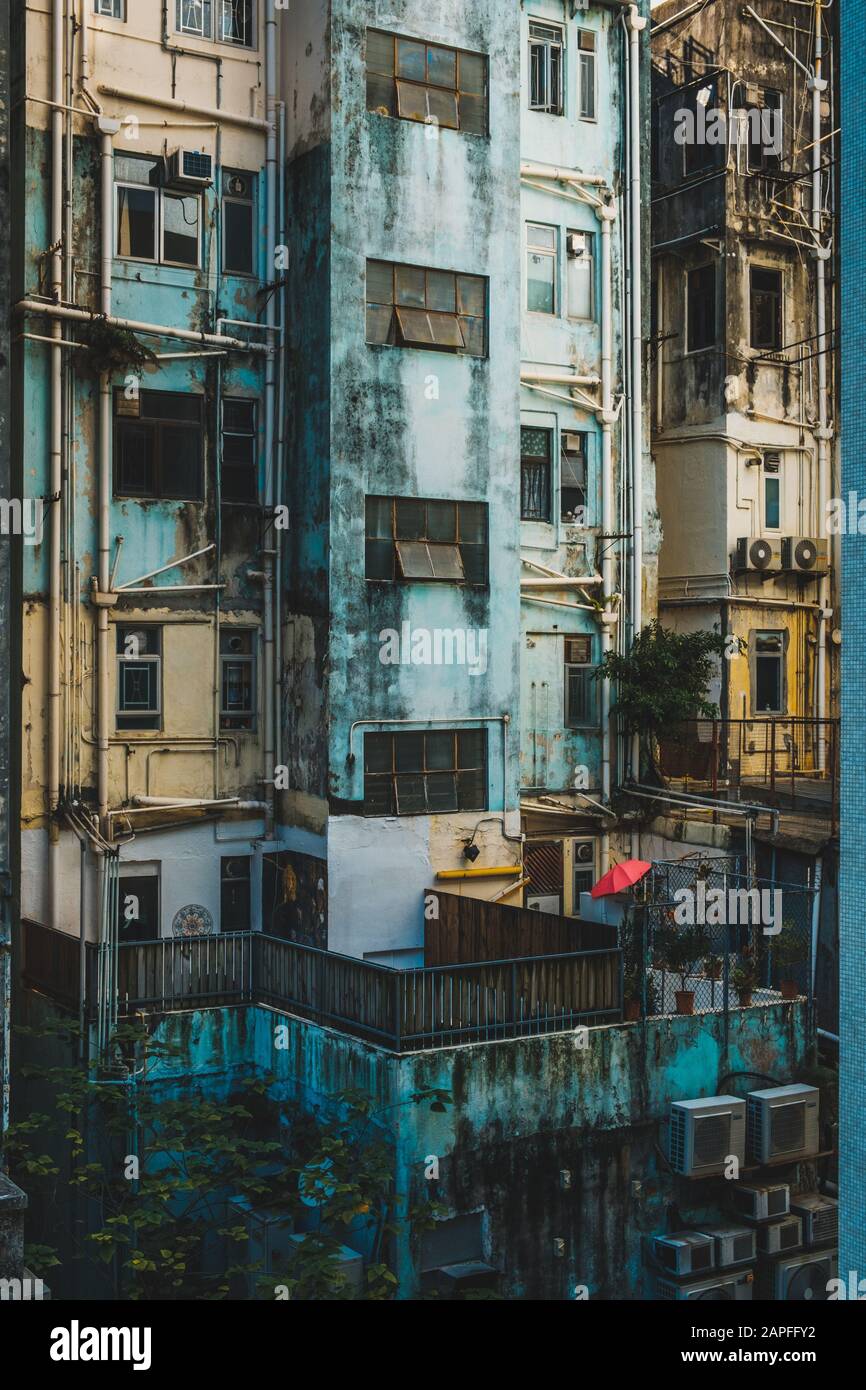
x,y
662,682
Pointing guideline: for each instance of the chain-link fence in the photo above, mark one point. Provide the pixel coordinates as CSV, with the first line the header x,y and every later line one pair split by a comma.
x,y
708,937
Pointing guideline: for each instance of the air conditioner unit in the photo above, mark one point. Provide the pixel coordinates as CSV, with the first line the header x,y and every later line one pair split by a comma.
x,y
575,244
734,1245
805,554
721,1288
758,553
800,1278
705,1134
779,1237
450,1281
684,1252
188,168
783,1124
761,1203
820,1218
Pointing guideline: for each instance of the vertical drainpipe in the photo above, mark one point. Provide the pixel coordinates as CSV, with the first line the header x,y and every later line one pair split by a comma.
x,y
107,129
270,384
281,450
636,24
55,485
818,85
607,417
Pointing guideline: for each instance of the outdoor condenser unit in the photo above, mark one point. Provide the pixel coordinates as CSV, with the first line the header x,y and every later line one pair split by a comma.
x,y
705,1133
783,1124
761,1203
757,553
189,167
735,1287
806,554
734,1245
779,1237
800,1278
684,1252
820,1218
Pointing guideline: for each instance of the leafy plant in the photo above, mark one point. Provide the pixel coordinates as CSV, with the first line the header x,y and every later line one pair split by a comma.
x,y
679,947
109,348
744,976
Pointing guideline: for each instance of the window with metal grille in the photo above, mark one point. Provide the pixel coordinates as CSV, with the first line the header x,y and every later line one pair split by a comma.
x,y
536,449
159,445
410,538
439,310
701,296
153,223
586,75
110,9
139,677
237,679
542,864
239,481
235,892
546,68
573,481
765,304
238,224
429,82
427,773
581,706
228,21
542,268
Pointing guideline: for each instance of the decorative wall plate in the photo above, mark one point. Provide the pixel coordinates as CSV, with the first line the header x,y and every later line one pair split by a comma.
x,y
192,920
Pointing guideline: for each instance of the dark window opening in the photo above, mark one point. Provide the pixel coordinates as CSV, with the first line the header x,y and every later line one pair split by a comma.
x,y
237,679
159,445
426,82
139,678
769,672
581,707
410,538
765,304
439,310
701,308
238,224
535,459
574,472
138,908
235,893
546,62
414,774
238,479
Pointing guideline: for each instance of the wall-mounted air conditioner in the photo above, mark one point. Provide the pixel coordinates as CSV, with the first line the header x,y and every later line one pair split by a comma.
x,y
805,554
779,1237
820,1217
188,169
684,1252
757,553
734,1245
705,1134
800,1278
761,1202
783,1124
735,1287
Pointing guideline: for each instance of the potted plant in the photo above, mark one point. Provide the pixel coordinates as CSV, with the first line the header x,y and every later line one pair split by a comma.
x,y
713,967
787,952
679,951
744,977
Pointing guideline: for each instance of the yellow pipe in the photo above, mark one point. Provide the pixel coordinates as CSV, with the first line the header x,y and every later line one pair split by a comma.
x,y
502,871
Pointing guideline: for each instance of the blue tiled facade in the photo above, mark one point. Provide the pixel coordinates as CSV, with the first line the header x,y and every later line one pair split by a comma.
x,y
852,921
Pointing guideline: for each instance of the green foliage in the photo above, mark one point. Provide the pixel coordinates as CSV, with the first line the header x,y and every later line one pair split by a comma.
x,y
112,349
663,680
161,1227
678,948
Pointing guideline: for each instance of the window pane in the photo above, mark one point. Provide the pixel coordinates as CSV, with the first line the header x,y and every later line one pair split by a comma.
x,y
441,291
442,521
470,748
134,469
239,416
542,237
237,691
136,223
446,561
441,792
381,94
411,101
587,86
474,336
378,797
411,519
411,797
238,228
415,327
238,483
380,282
441,66
474,559
237,22
473,74
471,295
440,751
473,521
768,684
442,107
540,282
580,287
194,17
379,560
130,168
473,114
171,405
181,463
415,562
377,752
379,323
772,507
411,286
471,791
180,229
378,517
534,492
138,687
446,329
534,443
409,752
411,60
380,51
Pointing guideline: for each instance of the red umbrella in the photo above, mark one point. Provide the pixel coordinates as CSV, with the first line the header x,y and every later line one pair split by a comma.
x,y
620,877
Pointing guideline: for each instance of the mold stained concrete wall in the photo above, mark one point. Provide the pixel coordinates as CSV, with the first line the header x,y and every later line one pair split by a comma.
x,y
521,1112
379,420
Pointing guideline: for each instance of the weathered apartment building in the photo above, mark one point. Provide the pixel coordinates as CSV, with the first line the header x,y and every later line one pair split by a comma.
x,y
297,639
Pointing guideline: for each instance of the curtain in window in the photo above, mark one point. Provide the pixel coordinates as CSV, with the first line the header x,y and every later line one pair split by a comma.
x,y
535,492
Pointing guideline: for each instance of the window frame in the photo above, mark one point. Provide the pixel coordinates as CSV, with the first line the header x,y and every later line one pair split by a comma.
x,y
151,720
207,33
253,435
690,350
553,255
227,880
553,39
767,480
584,435
160,193
103,14
459,91
157,424
243,721
587,57
454,770
780,658
396,561
780,307
234,200
590,695
126,882
527,460
587,258
396,328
